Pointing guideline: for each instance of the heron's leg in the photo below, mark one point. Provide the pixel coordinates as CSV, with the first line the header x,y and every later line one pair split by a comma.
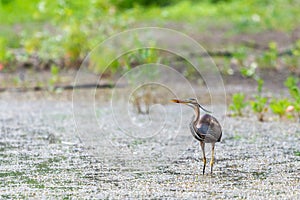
x,y
212,157
202,144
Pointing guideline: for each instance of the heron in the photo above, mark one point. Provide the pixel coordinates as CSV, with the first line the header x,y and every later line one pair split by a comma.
x,y
205,129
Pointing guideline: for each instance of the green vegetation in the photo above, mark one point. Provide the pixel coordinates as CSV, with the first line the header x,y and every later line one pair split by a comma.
x,y
243,14
291,83
143,96
270,57
143,56
249,72
259,105
279,106
54,76
63,32
57,34
238,104
127,4
5,56
283,107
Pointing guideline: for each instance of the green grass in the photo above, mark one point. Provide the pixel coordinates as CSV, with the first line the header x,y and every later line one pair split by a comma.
x,y
41,10
249,16
243,15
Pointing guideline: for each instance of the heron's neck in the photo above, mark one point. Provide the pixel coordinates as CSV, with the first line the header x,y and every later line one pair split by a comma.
x,y
197,114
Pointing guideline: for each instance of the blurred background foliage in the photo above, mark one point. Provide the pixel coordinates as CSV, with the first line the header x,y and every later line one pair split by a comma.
x,y
40,33
58,34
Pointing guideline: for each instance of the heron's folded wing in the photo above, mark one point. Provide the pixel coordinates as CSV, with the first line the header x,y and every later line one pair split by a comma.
x,y
215,130
211,132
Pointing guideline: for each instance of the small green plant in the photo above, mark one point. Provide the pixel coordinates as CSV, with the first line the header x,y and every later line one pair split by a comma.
x,y
279,106
259,105
240,55
54,77
75,45
260,84
144,56
104,61
270,57
249,72
293,61
5,55
238,104
292,84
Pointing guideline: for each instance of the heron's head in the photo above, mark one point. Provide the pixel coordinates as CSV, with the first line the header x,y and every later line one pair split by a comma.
x,y
190,102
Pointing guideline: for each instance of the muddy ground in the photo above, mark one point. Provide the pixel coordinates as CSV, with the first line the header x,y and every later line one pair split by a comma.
x,y
48,150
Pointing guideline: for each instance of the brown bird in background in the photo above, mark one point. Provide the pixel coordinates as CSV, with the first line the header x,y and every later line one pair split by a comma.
x,y
206,129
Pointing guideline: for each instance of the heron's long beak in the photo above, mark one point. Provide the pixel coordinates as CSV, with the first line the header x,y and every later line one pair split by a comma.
x,y
186,102
179,101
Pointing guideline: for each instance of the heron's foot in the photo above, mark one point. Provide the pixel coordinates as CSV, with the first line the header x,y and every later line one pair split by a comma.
x,y
211,166
204,164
